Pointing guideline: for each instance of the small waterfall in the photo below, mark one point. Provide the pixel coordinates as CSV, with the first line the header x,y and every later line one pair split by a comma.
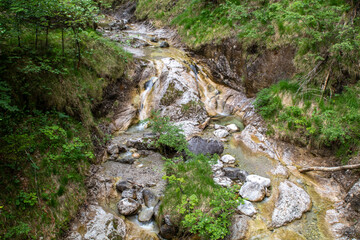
x,y
143,113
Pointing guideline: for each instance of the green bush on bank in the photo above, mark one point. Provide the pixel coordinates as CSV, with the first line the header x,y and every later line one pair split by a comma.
x,y
195,202
44,159
332,122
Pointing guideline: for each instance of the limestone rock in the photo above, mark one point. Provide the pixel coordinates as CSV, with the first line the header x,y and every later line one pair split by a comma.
x,y
232,128
129,193
104,226
265,182
247,208
123,185
150,198
239,227
235,173
252,191
221,133
146,214
292,202
228,159
200,145
128,206
113,149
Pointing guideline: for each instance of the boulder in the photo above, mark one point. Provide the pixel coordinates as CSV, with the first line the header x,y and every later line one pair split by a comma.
x,y
128,206
198,145
104,226
217,127
228,159
150,199
129,193
146,214
221,133
164,44
113,149
236,173
265,182
291,203
232,128
247,208
239,227
123,185
252,191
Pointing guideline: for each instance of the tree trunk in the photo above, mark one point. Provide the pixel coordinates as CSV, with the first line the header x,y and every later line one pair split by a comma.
x,y
329,169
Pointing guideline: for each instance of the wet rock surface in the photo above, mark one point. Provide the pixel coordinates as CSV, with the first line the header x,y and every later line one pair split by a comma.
x,y
128,206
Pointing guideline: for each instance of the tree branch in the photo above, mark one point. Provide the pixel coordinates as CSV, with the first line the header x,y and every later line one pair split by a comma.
x,y
329,169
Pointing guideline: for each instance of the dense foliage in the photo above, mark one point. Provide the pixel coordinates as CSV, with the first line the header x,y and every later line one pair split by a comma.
x,y
192,198
53,69
312,121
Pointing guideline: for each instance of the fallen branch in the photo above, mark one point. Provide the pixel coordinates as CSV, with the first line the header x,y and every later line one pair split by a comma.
x,y
329,169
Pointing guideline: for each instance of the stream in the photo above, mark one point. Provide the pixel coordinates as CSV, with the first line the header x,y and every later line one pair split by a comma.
x,y
175,83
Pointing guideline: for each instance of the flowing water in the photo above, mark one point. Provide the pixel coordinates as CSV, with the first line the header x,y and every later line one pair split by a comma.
x,y
172,81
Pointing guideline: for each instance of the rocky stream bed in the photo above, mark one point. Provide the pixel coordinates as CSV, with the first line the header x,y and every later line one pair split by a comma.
x,y
124,193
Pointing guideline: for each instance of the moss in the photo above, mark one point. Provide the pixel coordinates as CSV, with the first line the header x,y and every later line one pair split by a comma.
x,y
171,95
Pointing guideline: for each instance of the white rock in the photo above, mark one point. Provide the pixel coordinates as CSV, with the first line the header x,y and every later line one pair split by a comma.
x,y
247,208
223,181
239,227
232,128
265,182
252,191
219,165
128,206
221,133
292,202
104,226
228,159
146,214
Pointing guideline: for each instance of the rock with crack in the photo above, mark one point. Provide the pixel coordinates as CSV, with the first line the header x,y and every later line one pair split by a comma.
x,y
200,145
128,206
247,208
146,214
291,203
221,133
252,191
